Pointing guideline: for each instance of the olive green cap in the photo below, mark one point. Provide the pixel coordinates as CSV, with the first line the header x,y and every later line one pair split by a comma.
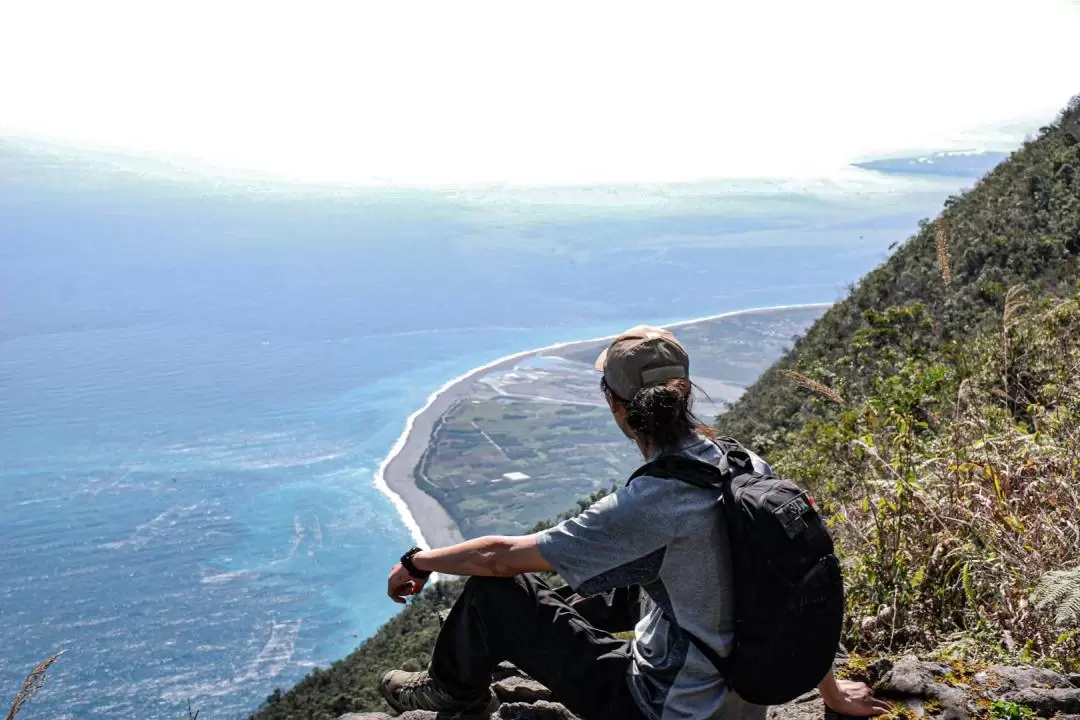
x,y
640,357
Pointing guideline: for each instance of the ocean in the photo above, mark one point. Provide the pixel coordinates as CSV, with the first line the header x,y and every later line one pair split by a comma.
x,y
199,377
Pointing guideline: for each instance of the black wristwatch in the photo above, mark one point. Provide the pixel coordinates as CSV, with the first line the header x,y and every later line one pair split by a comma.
x,y
407,563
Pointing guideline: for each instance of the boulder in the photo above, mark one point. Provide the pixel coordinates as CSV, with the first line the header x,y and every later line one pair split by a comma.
x,y
915,683
1047,702
807,707
911,677
541,710
518,689
1009,679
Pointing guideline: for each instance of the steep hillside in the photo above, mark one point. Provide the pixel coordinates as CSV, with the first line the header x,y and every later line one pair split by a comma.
x,y
352,683
935,413
1020,225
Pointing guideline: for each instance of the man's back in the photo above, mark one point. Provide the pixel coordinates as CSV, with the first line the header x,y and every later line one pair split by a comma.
x,y
669,538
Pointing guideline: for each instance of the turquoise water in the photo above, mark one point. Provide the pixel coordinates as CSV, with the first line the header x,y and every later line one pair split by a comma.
x,y
197,382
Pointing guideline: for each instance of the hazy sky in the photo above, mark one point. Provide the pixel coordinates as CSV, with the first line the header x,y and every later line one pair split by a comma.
x,y
535,93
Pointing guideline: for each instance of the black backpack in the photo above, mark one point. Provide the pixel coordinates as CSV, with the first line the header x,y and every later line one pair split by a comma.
x,y
789,591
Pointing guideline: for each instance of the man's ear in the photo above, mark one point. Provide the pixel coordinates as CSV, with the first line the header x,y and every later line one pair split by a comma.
x,y
612,403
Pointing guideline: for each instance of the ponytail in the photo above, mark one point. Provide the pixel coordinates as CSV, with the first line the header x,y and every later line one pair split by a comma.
x,y
662,414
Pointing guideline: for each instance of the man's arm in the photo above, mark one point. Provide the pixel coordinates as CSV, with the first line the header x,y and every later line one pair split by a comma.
x,y
491,556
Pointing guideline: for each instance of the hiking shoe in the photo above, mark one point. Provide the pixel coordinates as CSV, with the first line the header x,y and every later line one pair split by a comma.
x,y
405,691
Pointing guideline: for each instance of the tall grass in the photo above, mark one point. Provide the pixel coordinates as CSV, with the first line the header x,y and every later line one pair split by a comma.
x,y
953,489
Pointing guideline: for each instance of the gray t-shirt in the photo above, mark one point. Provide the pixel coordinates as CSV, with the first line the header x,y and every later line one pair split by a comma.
x,y
668,537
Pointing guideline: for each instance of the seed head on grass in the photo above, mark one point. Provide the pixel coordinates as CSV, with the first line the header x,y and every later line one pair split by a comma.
x,y
1016,302
814,386
34,682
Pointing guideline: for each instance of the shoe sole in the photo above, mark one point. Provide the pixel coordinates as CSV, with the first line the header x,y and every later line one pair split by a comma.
x,y
471,714
389,698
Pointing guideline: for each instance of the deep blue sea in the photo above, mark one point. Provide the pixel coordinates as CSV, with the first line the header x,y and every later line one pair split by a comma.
x,y
199,376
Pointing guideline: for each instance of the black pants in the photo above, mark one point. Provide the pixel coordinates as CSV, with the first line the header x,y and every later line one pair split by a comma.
x,y
560,639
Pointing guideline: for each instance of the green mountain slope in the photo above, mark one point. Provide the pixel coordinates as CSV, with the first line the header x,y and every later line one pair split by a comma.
x,y
351,684
1019,225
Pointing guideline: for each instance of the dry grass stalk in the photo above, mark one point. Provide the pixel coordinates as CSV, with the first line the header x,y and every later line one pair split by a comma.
x,y
943,255
1015,303
34,682
814,386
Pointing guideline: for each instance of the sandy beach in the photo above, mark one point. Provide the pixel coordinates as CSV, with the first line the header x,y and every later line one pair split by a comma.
x,y
427,521
429,524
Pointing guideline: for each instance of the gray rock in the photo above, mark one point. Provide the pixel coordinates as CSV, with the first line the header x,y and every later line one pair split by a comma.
x,y
914,680
806,707
909,676
939,669
1074,678
517,689
953,701
1047,702
1008,679
541,710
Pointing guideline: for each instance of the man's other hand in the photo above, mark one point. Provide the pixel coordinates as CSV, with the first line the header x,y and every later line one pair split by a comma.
x,y
401,584
854,699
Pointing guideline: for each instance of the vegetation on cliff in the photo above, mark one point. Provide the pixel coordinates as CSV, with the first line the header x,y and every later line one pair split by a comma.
x,y
1020,225
953,485
352,684
935,414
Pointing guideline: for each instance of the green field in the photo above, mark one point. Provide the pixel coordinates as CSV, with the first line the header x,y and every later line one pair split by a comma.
x,y
567,451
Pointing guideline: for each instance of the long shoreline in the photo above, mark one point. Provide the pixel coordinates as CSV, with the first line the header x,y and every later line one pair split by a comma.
x,y
427,521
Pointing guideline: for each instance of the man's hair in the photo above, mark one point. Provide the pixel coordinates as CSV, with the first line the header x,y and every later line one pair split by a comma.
x,y
662,414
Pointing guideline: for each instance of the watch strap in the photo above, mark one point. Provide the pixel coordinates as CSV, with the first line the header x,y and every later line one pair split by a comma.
x,y
410,567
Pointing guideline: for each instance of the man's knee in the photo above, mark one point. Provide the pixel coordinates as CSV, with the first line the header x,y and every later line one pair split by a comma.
x,y
501,587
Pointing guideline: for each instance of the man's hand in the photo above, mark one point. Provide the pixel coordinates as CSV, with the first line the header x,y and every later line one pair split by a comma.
x,y
401,584
854,699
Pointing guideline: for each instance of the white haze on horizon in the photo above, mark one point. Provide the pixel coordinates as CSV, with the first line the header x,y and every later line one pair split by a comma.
x,y
554,94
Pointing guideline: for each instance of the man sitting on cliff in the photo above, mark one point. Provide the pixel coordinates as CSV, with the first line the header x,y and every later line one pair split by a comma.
x,y
663,537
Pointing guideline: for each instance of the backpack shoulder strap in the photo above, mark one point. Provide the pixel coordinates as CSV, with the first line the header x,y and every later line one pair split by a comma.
x,y
698,472
680,467
721,664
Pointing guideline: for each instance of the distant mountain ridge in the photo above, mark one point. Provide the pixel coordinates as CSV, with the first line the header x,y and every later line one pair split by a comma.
x,y
973,164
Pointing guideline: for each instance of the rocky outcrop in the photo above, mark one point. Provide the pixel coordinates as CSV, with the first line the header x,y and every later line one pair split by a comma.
x,y
919,689
951,692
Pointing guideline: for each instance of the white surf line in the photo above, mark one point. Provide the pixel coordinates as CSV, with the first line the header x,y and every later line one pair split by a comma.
x,y
396,500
